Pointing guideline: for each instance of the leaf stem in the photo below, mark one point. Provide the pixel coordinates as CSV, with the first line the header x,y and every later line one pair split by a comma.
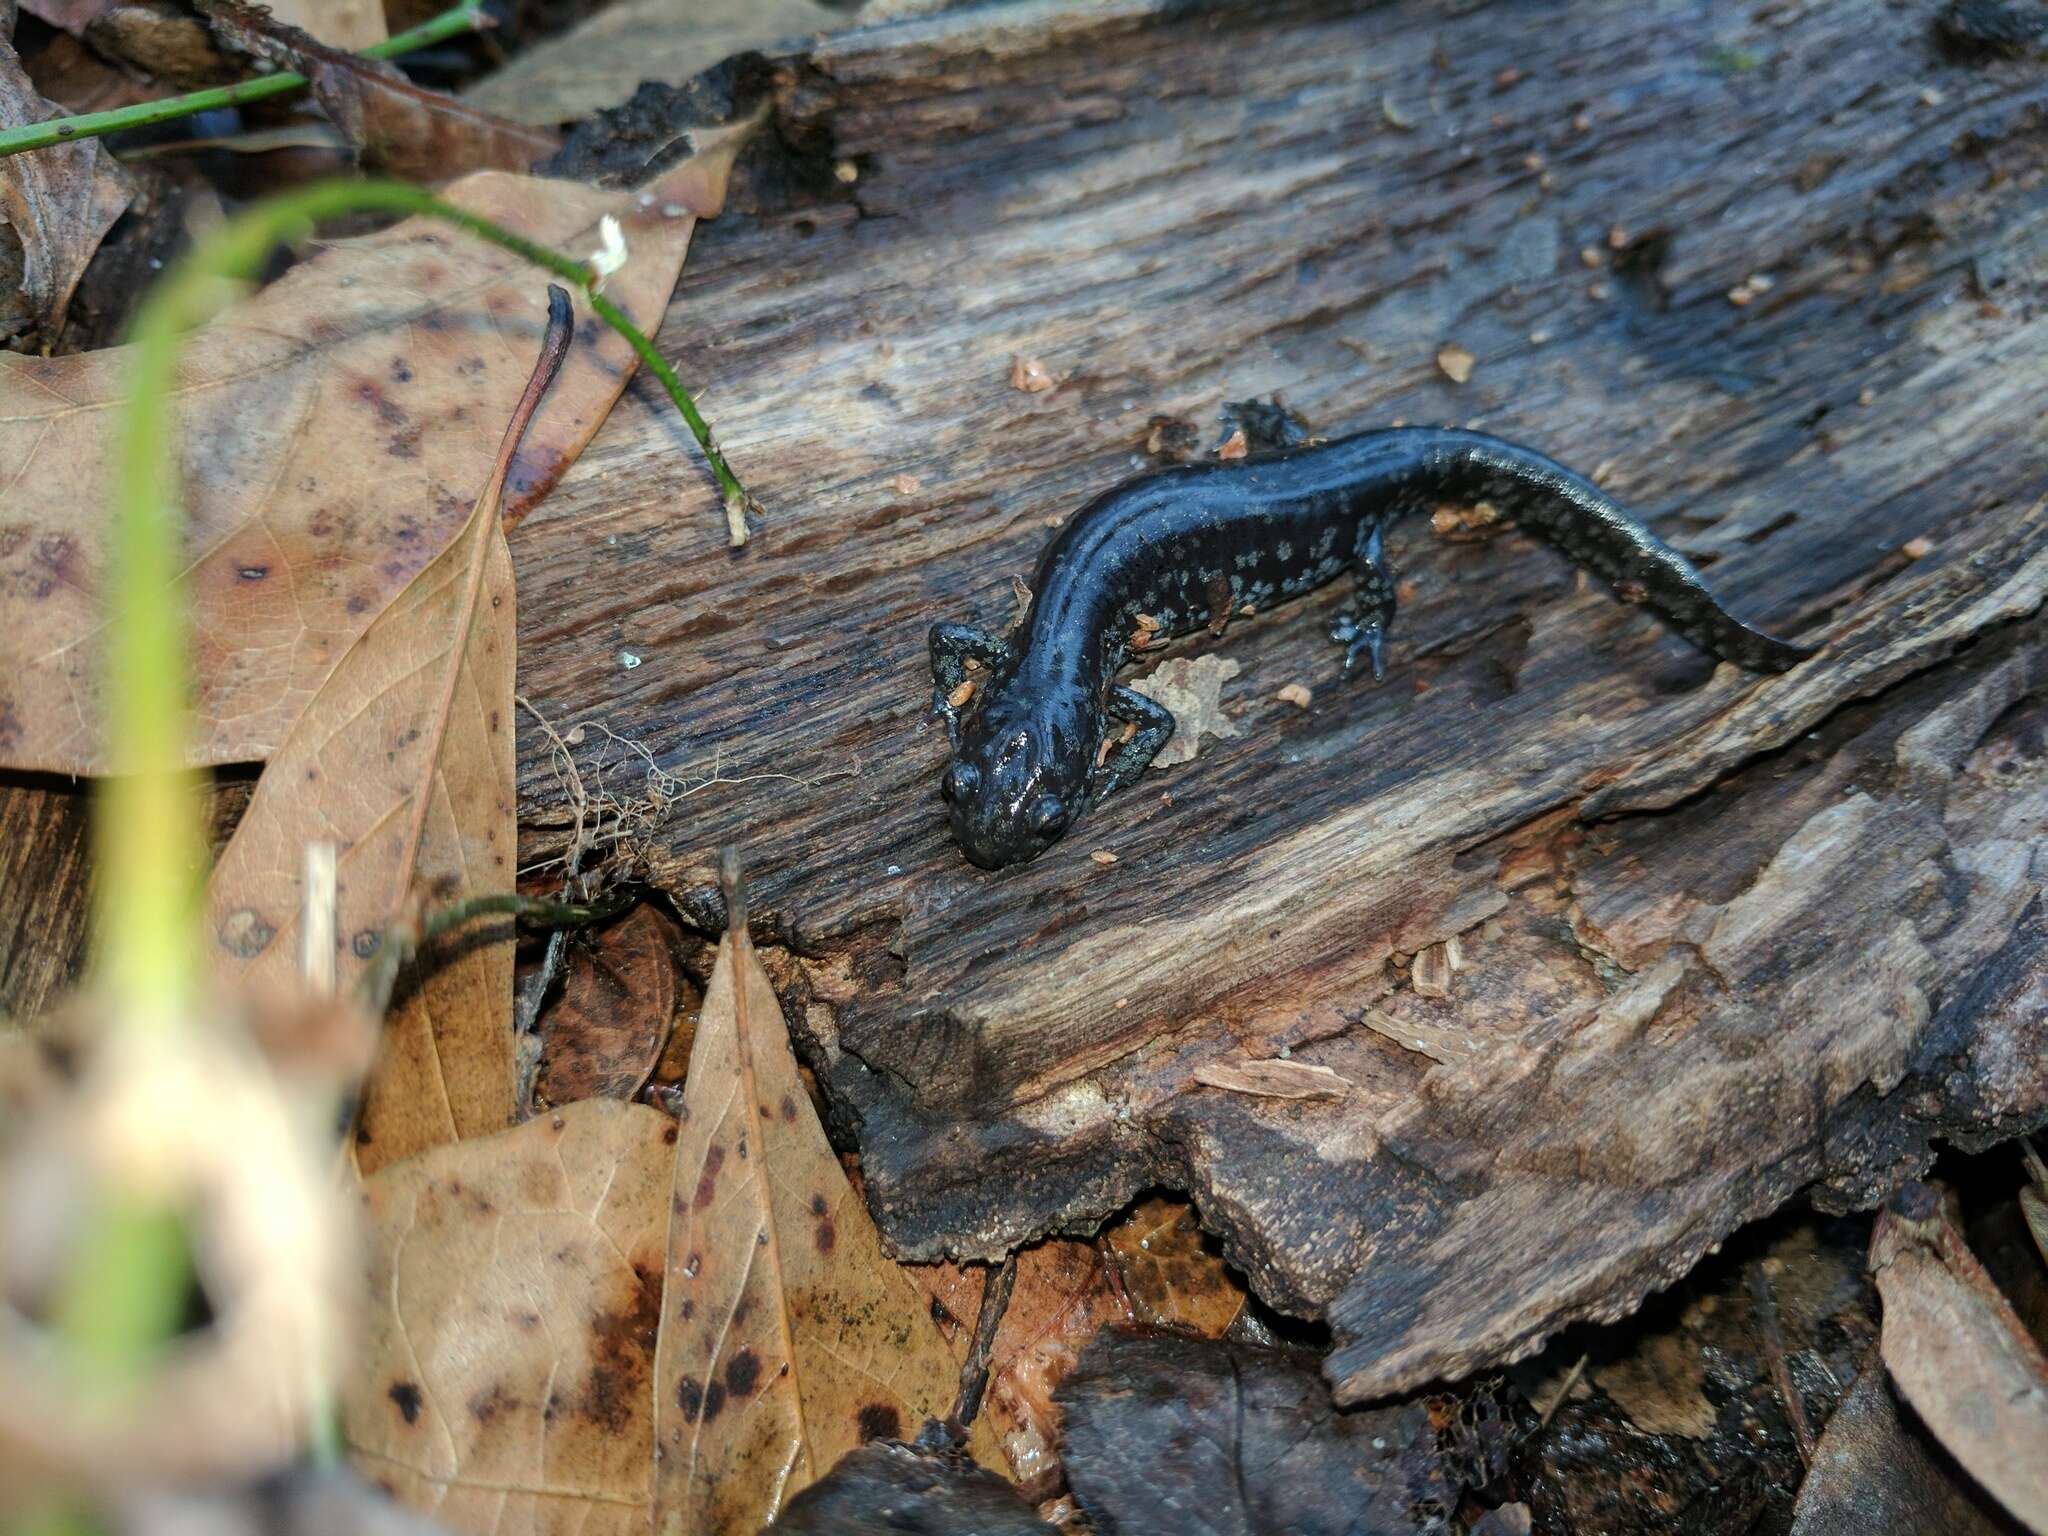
x,y
469,16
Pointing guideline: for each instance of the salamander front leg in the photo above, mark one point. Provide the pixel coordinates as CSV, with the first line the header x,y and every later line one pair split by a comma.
x,y
1363,626
1127,759
953,646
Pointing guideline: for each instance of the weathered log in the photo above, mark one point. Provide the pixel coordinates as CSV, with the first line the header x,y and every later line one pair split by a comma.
x,y
1777,277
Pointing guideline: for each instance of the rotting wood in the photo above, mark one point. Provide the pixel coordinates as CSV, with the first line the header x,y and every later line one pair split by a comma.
x,y
1671,1023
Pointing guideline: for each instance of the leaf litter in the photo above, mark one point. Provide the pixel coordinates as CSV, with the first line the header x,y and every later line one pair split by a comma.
x,y
787,1338
404,760
1959,1354
511,1290
58,205
334,428
398,127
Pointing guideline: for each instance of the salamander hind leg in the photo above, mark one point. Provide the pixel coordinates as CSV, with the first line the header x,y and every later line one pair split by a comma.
x,y
1362,627
953,646
1128,758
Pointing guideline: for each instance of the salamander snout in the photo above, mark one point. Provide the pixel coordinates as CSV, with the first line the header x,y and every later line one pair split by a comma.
x,y
1007,800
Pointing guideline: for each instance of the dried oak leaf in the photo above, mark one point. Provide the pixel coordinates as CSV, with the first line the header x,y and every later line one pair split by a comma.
x,y
403,761
1204,1438
335,428
58,203
1960,1356
511,1287
787,1339
401,128
1174,1276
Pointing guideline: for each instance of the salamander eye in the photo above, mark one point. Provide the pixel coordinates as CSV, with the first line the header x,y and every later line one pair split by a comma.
x,y
1048,816
960,783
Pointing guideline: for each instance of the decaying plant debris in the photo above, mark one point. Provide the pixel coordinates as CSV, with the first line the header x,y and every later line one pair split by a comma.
x,y
1283,1155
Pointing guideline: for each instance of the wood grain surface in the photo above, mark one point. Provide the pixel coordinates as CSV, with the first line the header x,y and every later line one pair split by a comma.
x,y
1774,277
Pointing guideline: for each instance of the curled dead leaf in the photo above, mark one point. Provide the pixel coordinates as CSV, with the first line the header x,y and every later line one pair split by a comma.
x,y
59,203
1977,1378
399,127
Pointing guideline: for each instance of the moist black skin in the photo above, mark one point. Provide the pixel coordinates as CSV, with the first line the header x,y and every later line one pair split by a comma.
x,y
1182,544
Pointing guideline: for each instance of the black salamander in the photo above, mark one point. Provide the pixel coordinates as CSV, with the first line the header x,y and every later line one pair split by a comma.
x,y
1049,731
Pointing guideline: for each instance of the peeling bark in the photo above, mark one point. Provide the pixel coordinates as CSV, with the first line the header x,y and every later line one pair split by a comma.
x,y
1720,937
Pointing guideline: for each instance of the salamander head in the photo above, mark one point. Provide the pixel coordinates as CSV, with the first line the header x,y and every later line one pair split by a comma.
x,y
1017,781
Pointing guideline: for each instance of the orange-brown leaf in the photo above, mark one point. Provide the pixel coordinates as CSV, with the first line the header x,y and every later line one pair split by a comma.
x,y
1173,1274
510,1288
335,429
604,1034
787,1339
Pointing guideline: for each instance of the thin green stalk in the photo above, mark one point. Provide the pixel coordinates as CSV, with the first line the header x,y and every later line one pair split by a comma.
x,y
147,847
466,17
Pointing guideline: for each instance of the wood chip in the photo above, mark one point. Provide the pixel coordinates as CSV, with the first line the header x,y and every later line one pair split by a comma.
x,y
1273,1078
1103,857
1430,973
906,485
1917,549
961,694
1234,446
1295,694
1031,376
1455,361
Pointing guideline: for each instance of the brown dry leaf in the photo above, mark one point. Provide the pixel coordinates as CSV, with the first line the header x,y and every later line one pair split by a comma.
x,y
512,1287
1961,1357
787,1339
1661,1385
404,762
602,1037
58,202
158,42
1192,687
400,128
335,429
1174,1276
1269,1077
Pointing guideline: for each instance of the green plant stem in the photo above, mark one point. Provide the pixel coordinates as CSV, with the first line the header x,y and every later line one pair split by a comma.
x,y
121,1300
466,17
